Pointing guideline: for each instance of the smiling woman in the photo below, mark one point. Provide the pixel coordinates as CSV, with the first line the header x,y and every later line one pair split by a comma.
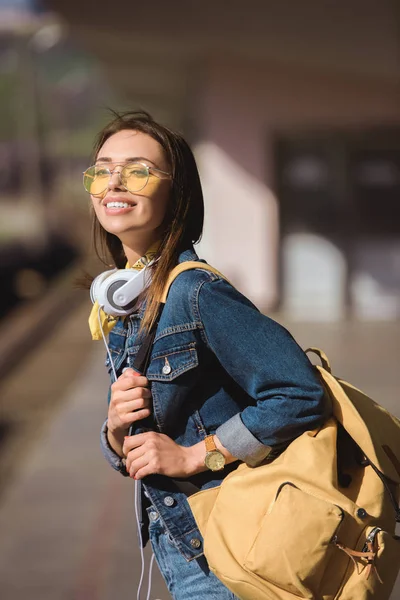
x,y
223,384
168,208
132,196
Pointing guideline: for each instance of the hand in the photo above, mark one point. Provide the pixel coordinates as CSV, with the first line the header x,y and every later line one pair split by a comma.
x,y
149,453
130,401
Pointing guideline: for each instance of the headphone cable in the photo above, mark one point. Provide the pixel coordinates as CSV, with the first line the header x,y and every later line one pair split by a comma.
x,y
136,491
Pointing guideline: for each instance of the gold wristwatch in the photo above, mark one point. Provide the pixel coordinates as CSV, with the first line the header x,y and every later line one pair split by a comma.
x,y
214,460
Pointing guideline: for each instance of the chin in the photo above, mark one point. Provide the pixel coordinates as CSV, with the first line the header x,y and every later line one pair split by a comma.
x,y
121,232
118,227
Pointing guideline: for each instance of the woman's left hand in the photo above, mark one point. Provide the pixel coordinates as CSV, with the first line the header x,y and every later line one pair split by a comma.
x,y
150,453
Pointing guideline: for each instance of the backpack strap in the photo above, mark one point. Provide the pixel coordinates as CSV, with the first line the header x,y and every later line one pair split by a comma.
x,y
187,266
143,355
322,357
142,358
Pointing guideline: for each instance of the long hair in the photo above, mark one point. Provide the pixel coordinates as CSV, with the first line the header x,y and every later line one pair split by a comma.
x,y
183,222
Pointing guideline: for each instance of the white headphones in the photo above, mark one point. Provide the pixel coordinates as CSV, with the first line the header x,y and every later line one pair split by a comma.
x,y
116,290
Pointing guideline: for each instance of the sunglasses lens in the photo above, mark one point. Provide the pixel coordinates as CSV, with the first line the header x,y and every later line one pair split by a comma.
x,y
134,177
95,180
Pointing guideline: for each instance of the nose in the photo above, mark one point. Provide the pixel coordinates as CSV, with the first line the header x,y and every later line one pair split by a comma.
x,y
114,183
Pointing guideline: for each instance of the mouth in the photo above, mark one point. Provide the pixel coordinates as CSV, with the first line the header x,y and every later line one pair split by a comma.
x,y
118,204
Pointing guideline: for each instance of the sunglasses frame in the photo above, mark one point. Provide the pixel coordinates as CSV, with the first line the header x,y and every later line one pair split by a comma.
x,y
111,173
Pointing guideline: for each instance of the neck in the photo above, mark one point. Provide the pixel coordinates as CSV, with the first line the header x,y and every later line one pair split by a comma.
x,y
138,248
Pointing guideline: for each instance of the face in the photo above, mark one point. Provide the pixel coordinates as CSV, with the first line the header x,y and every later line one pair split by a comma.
x,y
133,216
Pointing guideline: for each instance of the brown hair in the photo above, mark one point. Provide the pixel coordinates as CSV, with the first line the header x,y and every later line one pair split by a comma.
x,y
183,223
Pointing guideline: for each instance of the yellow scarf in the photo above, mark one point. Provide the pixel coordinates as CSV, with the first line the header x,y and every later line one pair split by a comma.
x,y
99,320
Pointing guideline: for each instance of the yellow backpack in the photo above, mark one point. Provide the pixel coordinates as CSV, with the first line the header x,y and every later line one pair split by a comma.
x,y
318,521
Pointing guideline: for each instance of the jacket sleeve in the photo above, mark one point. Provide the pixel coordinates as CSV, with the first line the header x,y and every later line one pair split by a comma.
x,y
111,457
264,359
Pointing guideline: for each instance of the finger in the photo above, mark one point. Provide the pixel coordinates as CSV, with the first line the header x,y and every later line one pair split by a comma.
x,y
132,466
128,381
142,442
144,471
132,405
137,415
134,454
132,442
135,441
130,371
132,395
143,464
121,397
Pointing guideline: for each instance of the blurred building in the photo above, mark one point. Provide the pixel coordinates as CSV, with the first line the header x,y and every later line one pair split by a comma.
x,y
49,115
293,109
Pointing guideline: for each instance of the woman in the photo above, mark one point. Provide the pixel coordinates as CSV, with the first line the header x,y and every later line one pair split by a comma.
x,y
224,382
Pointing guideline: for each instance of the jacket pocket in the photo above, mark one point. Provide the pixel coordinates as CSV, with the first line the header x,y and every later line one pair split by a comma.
x,y
168,364
293,545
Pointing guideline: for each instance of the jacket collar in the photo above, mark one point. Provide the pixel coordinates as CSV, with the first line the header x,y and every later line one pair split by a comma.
x,y
188,254
185,255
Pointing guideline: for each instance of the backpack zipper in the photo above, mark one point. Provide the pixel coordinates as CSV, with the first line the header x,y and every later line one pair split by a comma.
x,y
371,538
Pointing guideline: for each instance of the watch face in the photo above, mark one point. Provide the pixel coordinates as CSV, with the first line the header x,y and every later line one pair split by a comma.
x,y
215,460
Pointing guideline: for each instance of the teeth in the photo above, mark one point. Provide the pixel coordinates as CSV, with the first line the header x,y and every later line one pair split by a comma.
x,y
117,205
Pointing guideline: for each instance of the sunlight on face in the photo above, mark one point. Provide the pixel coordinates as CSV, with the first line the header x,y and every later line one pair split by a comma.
x,y
130,215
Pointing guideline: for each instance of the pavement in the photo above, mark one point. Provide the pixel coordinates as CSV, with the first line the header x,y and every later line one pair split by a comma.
x,y
66,518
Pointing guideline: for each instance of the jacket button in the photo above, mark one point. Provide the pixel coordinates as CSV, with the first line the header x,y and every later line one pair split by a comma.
x,y
167,367
153,516
195,543
361,513
169,501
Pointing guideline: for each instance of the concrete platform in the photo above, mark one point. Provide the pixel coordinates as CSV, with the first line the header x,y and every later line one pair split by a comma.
x,y
66,519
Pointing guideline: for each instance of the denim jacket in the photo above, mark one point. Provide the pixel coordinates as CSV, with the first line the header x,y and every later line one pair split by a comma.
x,y
217,366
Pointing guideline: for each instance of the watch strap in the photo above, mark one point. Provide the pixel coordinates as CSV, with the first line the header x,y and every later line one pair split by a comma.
x,y
210,444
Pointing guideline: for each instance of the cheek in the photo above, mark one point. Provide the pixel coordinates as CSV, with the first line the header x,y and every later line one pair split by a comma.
x,y
158,191
94,202
95,205
154,185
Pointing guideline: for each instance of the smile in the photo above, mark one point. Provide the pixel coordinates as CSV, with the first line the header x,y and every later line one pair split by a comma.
x,y
119,205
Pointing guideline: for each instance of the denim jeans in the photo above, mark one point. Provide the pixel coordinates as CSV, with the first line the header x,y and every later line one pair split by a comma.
x,y
184,580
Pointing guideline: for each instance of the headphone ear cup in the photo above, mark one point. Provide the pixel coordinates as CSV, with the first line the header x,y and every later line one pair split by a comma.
x,y
110,291
105,285
105,289
95,288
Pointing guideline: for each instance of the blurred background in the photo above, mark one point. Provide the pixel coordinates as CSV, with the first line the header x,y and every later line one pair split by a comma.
x,y
293,111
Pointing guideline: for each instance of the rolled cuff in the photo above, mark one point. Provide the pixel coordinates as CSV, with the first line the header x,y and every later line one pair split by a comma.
x,y
241,443
111,457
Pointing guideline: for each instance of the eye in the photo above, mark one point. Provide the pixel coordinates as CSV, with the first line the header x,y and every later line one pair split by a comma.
x,y
138,171
101,172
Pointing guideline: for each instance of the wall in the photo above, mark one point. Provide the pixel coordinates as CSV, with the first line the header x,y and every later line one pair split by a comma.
x,y
242,106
